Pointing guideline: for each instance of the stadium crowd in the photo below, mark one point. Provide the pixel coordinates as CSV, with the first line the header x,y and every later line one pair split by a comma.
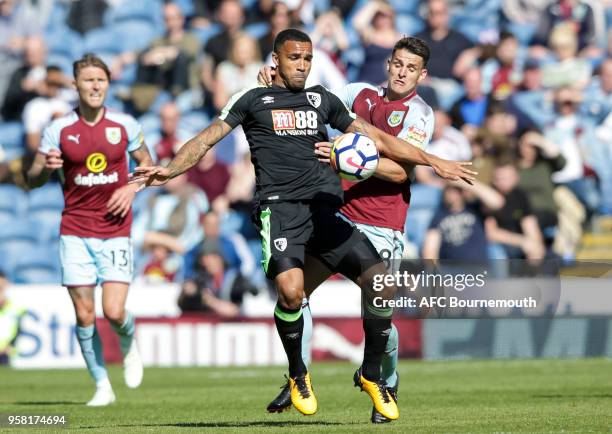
x,y
523,88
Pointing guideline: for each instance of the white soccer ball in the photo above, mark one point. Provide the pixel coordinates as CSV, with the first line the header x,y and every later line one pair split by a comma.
x,y
354,156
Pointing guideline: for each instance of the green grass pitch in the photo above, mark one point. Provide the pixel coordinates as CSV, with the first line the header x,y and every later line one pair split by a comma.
x,y
541,396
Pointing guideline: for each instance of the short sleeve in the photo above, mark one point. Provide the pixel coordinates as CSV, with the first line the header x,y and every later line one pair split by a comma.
x,y
348,93
339,117
418,127
135,134
50,139
237,108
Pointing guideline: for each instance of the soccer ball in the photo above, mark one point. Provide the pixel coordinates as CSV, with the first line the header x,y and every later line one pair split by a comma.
x,y
354,156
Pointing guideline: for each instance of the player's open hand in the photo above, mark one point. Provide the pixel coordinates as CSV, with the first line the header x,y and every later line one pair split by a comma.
x,y
266,75
150,176
121,201
454,170
323,151
53,160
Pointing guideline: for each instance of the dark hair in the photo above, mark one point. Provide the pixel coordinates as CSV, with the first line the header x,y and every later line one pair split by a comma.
x,y
413,45
89,59
290,35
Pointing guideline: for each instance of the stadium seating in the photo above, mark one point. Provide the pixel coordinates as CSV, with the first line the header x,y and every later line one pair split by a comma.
x,y
41,268
12,203
12,139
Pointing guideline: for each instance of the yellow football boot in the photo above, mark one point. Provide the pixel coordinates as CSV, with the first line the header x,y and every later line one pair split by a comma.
x,y
302,396
381,398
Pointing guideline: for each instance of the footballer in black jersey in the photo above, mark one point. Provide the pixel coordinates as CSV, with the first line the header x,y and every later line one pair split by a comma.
x,y
297,202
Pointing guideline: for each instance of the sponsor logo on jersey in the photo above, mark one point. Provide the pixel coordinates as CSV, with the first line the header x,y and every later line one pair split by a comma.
x,y
92,179
395,118
267,99
280,244
283,119
416,136
74,138
96,162
314,99
113,135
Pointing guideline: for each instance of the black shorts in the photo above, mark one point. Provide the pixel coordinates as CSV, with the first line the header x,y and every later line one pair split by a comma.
x,y
291,229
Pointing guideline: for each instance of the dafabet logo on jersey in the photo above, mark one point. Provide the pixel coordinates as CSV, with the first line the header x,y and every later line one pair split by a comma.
x,y
96,163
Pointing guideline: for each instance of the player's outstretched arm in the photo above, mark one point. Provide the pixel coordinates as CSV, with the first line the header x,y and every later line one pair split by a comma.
x,y
187,157
121,200
43,165
401,151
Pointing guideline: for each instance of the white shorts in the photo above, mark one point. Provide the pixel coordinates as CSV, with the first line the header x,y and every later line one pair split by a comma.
x,y
388,242
89,261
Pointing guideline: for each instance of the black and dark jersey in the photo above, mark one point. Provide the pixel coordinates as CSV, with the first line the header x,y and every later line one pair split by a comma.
x,y
282,127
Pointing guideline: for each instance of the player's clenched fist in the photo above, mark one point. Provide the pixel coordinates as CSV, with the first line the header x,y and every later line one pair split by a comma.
x,y
53,160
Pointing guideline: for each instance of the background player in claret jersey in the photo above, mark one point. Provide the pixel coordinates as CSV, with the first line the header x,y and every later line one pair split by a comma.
x,y
89,145
298,198
378,205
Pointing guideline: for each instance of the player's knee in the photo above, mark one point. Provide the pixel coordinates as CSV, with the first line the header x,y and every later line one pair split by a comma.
x,y
114,314
85,316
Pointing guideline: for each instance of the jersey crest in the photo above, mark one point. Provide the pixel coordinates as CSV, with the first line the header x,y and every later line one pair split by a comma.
x,y
314,99
113,135
395,118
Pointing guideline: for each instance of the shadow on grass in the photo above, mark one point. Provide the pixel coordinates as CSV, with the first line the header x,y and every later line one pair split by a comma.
x,y
47,403
560,396
259,423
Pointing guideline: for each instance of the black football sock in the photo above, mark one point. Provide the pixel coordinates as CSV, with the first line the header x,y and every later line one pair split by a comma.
x,y
290,326
376,335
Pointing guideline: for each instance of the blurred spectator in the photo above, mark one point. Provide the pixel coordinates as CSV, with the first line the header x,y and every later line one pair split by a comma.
x,y
239,72
302,11
86,15
14,28
329,36
163,264
446,46
457,230
168,63
210,175
234,248
578,15
531,103
598,95
375,23
446,142
27,82
502,72
471,109
523,17
172,217
36,12
213,288
514,226
10,317
573,135
538,160
567,69
171,137
231,16
41,110
483,157
280,19
203,13
499,128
